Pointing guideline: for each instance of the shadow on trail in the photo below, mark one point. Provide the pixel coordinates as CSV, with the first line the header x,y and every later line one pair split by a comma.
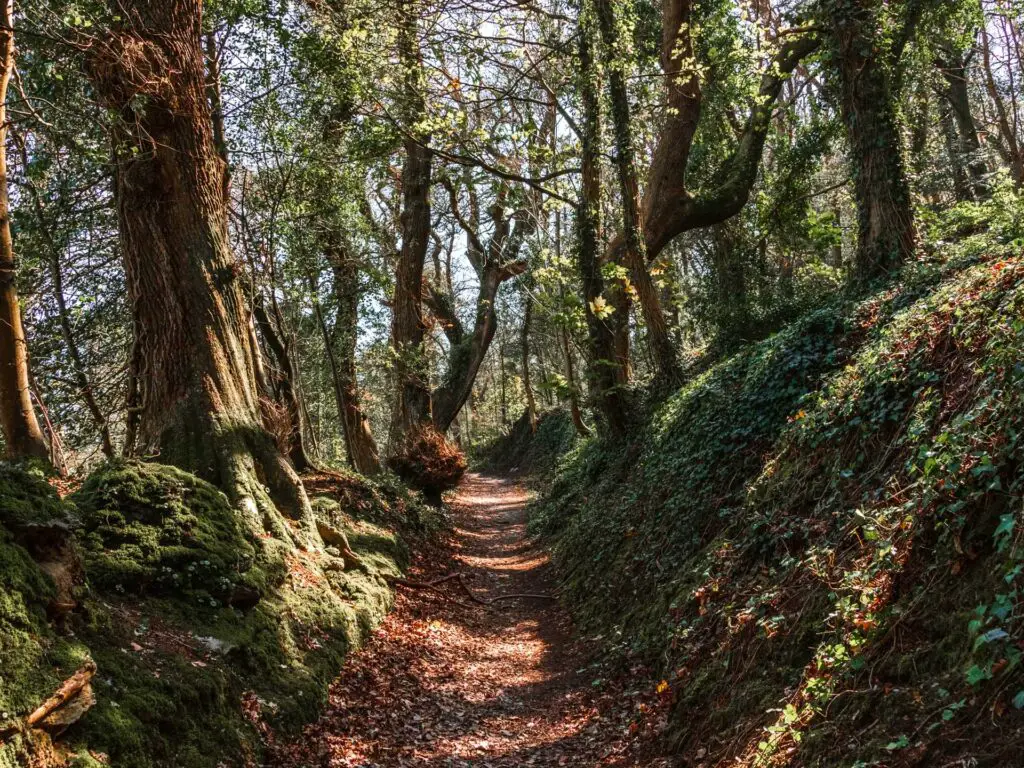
x,y
449,685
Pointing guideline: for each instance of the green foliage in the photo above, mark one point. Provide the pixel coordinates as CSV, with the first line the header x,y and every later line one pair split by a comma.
x,y
829,518
533,454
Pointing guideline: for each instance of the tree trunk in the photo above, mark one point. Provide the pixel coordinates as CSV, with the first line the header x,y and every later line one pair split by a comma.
x,y
362,448
887,234
22,435
607,372
494,263
732,310
408,329
660,338
213,89
198,399
962,189
524,343
285,388
968,146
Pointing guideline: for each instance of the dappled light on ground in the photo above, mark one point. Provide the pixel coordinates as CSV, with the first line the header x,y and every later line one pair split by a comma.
x,y
450,682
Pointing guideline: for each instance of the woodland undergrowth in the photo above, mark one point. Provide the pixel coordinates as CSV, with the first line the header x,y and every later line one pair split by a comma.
x,y
818,540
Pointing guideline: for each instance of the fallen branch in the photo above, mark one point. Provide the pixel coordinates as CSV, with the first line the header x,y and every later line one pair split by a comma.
x,y
76,685
493,600
429,586
67,691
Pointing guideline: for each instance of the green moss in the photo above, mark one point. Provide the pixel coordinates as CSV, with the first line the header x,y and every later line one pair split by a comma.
x,y
186,616
177,655
35,658
27,500
152,529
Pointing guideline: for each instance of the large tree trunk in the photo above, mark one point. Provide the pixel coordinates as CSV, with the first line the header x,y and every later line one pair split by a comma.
x,y
887,235
199,402
362,448
22,435
607,372
408,330
662,348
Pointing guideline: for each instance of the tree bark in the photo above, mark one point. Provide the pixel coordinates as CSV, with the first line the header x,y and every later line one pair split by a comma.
x,y
494,263
962,189
607,372
198,399
285,387
662,348
408,329
22,435
953,67
362,448
887,235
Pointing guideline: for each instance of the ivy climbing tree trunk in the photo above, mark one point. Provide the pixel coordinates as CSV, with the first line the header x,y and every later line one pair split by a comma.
x,y
607,372
362,448
887,235
407,327
198,405
662,348
22,436
952,64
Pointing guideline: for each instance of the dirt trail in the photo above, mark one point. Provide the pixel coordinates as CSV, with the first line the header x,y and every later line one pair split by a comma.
x,y
444,684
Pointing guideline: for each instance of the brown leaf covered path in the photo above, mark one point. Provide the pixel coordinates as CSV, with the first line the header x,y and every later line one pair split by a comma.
x,y
449,683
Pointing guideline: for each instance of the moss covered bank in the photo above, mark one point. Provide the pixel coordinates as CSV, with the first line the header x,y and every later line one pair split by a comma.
x,y
205,641
820,540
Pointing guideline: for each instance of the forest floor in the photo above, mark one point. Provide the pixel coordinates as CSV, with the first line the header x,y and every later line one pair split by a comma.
x,y
451,681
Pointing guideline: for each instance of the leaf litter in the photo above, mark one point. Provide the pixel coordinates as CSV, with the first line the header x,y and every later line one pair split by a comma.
x,y
445,683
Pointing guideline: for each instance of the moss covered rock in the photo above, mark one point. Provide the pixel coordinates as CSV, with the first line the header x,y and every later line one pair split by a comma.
x,y
152,529
34,657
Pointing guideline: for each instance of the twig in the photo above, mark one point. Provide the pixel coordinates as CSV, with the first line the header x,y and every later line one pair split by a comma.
x,y
67,691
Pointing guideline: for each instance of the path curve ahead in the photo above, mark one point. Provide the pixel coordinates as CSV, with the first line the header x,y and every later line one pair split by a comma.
x,y
444,684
